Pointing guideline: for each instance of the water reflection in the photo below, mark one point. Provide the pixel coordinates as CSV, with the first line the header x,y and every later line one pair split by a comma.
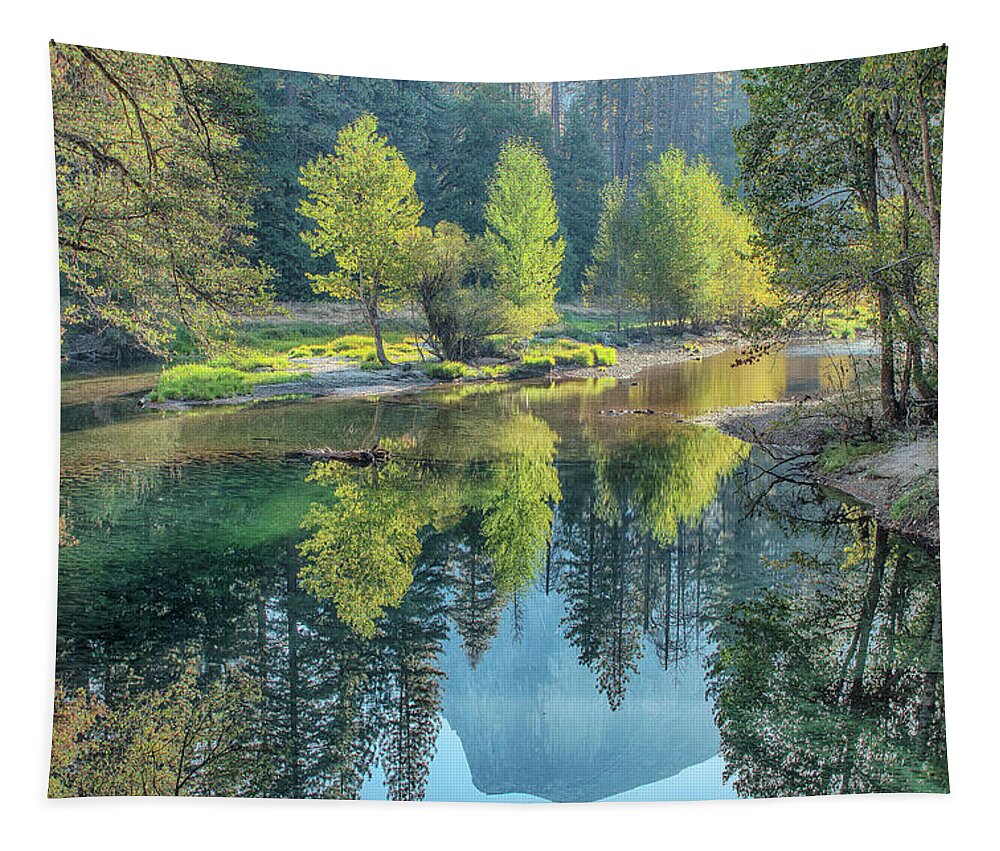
x,y
836,686
561,588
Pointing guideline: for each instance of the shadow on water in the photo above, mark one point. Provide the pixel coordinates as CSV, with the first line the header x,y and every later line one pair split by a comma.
x,y
589,604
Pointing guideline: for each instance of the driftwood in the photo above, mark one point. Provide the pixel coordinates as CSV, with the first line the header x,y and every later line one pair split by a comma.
x,y
356,457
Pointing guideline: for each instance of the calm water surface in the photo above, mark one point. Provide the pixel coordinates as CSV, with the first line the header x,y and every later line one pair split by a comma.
x,y
536,601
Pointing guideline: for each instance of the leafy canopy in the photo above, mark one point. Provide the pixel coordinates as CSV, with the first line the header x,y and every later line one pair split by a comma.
x,y
363,200
522,222
154,195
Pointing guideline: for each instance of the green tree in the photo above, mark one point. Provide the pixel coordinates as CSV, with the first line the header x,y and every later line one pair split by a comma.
x,y
363,201
522,223
363,548
675,258
477,123
827,147
609,278
517,502
579,171
185,740
154,196
459,317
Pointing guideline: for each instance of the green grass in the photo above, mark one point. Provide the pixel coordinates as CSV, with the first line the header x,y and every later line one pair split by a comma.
x,y
447,370
285,336
565,351
500,370
204,382
917,502
838,455
251,360
359,347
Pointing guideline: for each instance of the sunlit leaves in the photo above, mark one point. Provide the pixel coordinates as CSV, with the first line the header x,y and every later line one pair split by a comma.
x,y
154,195
363,547
522,223
363,201
189,739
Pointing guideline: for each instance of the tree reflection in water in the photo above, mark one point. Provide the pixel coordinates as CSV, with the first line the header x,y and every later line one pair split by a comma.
x,y
822,634
836,686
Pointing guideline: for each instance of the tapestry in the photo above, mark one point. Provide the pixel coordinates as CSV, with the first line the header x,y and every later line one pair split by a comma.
x,y
527,442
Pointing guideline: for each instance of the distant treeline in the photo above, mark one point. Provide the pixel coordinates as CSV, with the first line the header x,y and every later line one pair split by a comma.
x,y
451,135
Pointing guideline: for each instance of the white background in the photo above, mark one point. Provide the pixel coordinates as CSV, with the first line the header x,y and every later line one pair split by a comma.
x,y
496,40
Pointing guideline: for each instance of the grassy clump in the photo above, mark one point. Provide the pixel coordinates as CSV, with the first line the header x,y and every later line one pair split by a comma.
x,y
917,502
447,370
359,347
285,336
500,370
566,351
604,355
838,455
204,382
251,360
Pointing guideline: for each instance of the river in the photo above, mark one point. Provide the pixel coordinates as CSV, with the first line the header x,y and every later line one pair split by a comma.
x,y
540,598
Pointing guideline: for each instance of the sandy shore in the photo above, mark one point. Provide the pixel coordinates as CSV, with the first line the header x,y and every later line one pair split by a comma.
x,y
805,426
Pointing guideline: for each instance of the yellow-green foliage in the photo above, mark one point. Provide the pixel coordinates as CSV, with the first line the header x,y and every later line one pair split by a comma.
x,y
360,347
362,199
363,547
155,742
565,351
204,382
847,322
517,502
447,369
251,360
668,478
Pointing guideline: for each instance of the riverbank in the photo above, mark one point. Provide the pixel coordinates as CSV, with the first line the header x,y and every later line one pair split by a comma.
x,y
342,378
896,478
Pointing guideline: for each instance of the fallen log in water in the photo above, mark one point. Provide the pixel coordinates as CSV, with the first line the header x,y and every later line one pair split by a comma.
x,y
356,457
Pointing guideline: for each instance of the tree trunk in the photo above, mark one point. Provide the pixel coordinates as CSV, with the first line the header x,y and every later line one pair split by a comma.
x,y
887,377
